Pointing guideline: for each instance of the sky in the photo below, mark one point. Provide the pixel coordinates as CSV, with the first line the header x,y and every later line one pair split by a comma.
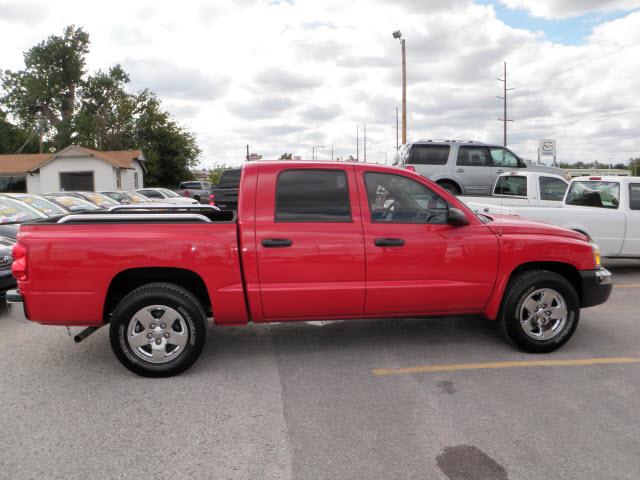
x,y
288,76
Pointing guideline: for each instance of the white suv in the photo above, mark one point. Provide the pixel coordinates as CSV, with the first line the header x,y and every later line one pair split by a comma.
x,y
469,168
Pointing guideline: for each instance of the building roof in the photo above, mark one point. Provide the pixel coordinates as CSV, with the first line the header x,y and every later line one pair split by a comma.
x,y
23,163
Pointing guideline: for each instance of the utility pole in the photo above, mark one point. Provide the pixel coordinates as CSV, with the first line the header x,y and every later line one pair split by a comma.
x,y
365,142
357,143
398,34
247,157
332,151
397,130
504,118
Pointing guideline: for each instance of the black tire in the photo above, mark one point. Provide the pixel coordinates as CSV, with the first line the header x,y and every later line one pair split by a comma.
x,y
197,197
193,320
450,187
518,290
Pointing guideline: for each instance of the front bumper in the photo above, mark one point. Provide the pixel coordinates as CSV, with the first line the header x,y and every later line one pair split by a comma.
x,y
15,303
596,286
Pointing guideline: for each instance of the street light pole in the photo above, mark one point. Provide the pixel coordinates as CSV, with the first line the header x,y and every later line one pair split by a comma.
x,y
397,34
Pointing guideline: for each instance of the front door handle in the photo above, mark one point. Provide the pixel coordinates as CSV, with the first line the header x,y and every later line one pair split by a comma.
x,y
499,171
276,242
388,242
460,170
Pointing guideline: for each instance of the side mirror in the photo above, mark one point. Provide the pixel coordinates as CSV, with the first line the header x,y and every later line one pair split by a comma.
x,y
456,217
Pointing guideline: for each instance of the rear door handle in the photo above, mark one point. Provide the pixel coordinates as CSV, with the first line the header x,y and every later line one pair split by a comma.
x,y
388,242
460,170
276,242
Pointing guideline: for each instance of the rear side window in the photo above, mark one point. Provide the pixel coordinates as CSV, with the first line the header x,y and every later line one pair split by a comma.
x,y
312,196
193,185
594,194
474,157
429,155
512,185
634,196
552,188
230,179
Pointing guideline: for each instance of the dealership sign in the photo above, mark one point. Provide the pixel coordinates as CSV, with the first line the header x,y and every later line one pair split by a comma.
x,y
547,147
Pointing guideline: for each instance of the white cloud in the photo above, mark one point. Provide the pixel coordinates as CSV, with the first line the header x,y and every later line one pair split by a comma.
x,y
286,77
554,9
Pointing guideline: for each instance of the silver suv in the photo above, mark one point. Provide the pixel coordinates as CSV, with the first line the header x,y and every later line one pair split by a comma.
x,y
469,168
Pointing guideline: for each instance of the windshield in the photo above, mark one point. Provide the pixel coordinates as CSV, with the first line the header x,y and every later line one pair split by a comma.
x,y
594,194
42,204
168,193
137,198
74,204
12,211
100,199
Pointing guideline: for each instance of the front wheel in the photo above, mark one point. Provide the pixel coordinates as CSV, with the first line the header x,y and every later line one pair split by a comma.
x,y
540,311
158,330
450,187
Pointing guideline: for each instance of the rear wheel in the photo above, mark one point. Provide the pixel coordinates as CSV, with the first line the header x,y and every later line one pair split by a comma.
x,y
450,187
158,330
540,311
197,198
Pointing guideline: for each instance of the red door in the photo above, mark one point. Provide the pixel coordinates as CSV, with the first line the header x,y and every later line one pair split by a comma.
x,y
416,263
310,250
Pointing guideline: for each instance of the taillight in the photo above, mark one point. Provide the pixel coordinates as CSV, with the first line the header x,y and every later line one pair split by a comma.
x,y
411,168
186,193
212,199
19,266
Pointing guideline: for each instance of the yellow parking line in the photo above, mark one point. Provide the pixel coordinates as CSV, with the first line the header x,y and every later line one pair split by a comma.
x,y
628,285
381,372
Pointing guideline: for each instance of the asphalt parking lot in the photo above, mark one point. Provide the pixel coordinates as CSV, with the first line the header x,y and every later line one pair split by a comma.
x,y
413,398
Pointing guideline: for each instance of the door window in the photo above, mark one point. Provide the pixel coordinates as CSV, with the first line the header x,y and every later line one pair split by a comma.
x,y
552,188
474,157
512,185
312,196
634,196
397,199
503,158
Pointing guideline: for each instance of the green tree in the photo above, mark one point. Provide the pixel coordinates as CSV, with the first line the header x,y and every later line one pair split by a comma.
x,y
14,139
49,83
286,156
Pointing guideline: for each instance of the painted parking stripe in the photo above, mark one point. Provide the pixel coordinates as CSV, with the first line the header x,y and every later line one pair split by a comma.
x,y
381,372
627,285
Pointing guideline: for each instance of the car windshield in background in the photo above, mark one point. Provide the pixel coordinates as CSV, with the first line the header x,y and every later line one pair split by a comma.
x,y
137,198
230,179
168,192
594,194
12,211
50,209
100,199
74,204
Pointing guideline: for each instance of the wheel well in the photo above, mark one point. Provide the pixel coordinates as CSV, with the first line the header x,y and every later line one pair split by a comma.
x,y
566,270
582,232
452,182
128,280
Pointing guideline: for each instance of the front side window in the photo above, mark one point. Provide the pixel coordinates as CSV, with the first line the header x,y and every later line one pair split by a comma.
x,y
474,157
503,158
312,196
552,188
634,196
397,199
429,154
512,185
594,194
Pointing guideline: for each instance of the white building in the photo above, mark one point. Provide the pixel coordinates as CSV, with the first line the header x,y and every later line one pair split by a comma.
x,y
74,168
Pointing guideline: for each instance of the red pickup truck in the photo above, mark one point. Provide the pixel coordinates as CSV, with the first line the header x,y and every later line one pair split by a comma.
x,y
311,240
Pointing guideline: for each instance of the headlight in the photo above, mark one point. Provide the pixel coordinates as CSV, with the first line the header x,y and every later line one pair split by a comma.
x,y
596,254
6,244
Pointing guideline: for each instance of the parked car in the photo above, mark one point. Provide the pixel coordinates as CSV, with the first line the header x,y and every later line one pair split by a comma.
x,y
127,198
72,203
313,240
197,190
469,168
165,195
520,189
225,193
606,209
12,214
45,206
